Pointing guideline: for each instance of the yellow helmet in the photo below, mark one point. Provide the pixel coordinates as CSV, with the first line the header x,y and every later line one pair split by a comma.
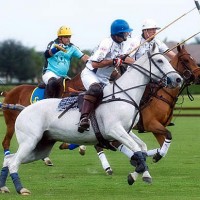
x,y
64,30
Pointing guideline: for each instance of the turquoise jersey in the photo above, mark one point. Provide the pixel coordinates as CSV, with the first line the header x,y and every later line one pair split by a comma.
x,y
59,63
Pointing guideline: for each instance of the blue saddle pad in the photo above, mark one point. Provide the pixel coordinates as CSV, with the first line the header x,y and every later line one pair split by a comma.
x,y
68,101
37,95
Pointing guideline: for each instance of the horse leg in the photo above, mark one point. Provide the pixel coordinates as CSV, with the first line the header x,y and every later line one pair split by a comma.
x,y
82,148
10,118
104,162
164,138
47,161
141,143
121,135
3,178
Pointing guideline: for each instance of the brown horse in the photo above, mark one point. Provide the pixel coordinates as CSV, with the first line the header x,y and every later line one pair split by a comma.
x,y
157,106
22,95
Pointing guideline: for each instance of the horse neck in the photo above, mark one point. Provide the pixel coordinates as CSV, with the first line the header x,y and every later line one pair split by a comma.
x,y
133,82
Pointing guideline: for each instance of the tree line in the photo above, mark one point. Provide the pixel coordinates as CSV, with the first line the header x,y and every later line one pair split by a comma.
x,y
25,64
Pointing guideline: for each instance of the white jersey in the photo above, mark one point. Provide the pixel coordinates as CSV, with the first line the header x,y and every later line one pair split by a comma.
x,y
131,46
148,45
107,49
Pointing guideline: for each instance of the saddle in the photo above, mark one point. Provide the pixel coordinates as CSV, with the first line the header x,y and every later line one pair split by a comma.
x,y
76,102
39,92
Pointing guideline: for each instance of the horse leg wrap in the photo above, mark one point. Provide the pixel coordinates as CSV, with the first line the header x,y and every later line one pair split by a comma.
x,y
140,160
16,181
72,146
3,177
165,147
6,152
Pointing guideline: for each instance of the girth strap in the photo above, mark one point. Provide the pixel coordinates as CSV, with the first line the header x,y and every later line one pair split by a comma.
x,y
102,142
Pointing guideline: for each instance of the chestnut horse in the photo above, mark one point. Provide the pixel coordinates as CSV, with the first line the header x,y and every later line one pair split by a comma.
x,y
22,95
156,109
157,105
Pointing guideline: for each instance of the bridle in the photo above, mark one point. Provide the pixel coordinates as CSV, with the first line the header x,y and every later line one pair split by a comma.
x,y
188,74
145,72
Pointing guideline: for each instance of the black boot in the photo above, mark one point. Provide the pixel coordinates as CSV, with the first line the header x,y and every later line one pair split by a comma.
x,y
84,123
52,89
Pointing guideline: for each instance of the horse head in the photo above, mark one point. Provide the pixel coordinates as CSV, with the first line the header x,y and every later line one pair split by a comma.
x,y
158,68
186,65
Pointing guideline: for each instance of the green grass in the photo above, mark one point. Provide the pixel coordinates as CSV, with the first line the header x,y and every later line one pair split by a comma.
x,y
76,177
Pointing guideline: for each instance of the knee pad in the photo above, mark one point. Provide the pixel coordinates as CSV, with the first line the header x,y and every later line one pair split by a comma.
x,y
53,82
95,90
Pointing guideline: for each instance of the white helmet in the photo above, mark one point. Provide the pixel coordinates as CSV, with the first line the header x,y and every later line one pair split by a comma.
x,y
149,23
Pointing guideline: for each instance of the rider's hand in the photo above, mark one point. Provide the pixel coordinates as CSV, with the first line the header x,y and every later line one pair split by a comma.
x,y
123,57
117,62
61,45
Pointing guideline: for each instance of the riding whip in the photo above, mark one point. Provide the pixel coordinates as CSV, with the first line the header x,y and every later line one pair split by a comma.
x,y
181,43
159,31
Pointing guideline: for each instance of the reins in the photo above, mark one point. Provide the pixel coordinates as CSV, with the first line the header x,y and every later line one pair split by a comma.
x,y
145,72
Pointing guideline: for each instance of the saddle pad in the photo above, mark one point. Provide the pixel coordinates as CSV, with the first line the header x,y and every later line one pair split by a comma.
x,y
37,95
68,101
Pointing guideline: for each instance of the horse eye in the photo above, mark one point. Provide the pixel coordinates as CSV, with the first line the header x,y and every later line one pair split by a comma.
x,y
160,61
186,61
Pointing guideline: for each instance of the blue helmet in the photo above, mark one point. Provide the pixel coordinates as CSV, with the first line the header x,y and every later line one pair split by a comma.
x,y
120,26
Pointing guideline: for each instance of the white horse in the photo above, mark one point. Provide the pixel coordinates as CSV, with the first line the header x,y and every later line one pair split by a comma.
x,y
38,126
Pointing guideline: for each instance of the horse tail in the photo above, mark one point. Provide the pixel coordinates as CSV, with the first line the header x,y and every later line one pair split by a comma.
x,y
3,93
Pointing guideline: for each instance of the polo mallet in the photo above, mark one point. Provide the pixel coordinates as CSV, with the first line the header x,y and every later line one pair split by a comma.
x,y
60,48
160,31
180,43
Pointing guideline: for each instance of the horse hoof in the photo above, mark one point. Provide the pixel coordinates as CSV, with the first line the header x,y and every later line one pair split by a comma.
x,y
146,177
132,177
82,150
4,189
109,171
64,146
24,192
48,162
171,124
156,157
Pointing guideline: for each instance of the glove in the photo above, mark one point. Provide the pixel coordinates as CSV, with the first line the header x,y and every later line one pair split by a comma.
x,y
61,45
117,62
123,57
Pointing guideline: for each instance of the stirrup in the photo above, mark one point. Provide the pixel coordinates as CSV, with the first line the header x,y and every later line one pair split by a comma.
x,y
84,125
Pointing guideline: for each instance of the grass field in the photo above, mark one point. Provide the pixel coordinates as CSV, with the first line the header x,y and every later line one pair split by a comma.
x,y
76,177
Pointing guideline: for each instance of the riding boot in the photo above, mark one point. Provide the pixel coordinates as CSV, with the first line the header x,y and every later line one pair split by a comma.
x,y
52,88
87,108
